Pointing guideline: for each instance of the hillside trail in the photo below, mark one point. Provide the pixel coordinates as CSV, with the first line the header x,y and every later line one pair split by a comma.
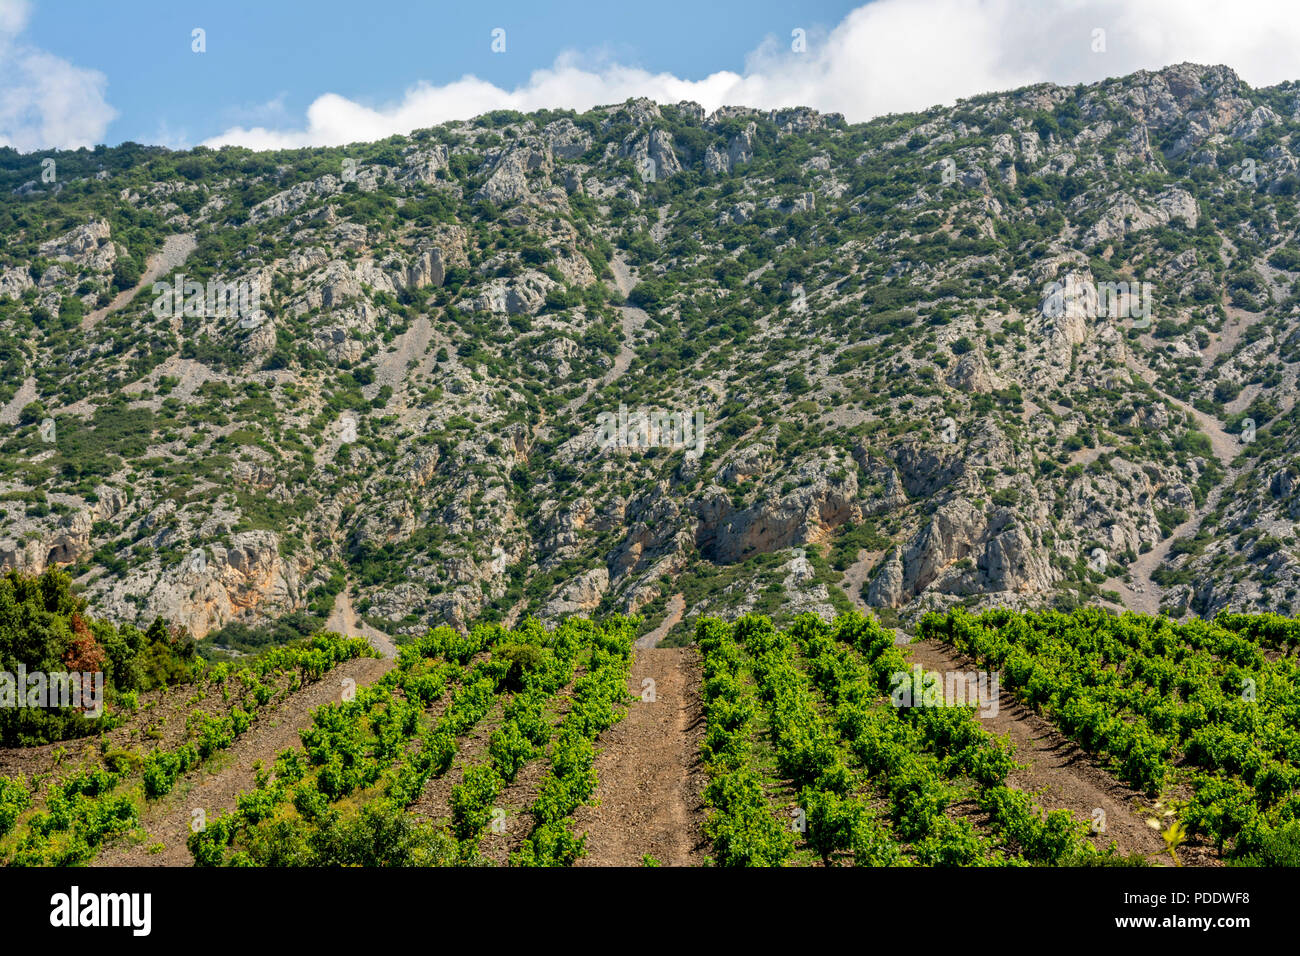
x,y
673,614
1055,769
649,795
25,395
1141,593
345,621
856,574
632,320
175,250
1234,326
215,789
1225,446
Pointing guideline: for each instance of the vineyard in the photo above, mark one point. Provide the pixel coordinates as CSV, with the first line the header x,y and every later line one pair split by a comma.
x,y
1205,714
810,762
822,744
63,819
343,798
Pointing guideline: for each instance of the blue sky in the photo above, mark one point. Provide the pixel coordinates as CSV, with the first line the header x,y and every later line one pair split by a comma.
x,y
262,52
280,74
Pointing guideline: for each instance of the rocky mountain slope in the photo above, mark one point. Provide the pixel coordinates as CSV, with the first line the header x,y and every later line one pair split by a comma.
x,y
1037,348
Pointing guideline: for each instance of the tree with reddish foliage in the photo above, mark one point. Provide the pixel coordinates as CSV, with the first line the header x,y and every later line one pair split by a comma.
x,y
45,626
84,655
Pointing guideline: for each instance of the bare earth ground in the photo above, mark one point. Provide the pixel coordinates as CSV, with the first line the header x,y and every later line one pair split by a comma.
x,y
434,802
651,780
673,614
25,395
214,790
498,843
1057,770
175,250
856,574
345,621
158,724
632,321
1142,594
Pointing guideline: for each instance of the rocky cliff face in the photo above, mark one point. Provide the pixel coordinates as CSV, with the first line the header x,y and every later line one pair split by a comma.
x,y
248,579
1037,348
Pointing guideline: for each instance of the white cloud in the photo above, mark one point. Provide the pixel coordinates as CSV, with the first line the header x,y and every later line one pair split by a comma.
x,y
166,135
270,111
45,101
887,56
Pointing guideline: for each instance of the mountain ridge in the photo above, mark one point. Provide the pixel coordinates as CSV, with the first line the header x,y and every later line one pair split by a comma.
x,y
413,414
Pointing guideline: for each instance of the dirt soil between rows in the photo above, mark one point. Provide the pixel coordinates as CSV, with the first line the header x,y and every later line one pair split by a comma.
x,y
232,772
1057,770
651,781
